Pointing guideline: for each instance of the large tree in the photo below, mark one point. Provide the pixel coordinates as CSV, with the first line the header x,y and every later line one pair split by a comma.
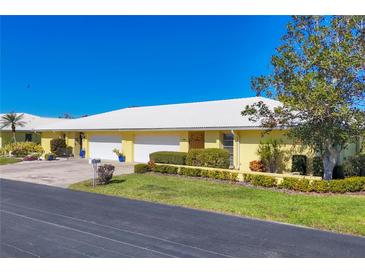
x,y
318,75
13,121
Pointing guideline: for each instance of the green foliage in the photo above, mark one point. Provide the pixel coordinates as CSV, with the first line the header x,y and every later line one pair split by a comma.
x,y
12,120
338,172
299,164
317,168
141,168
318,76
169,157
50,156
260,180
354,166
209,157
271,154
166,169
22,149
351,184
58,146
213,174
303,185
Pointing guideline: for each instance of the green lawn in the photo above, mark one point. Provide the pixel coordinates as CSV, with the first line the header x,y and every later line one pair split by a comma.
x,y
8,160
341,213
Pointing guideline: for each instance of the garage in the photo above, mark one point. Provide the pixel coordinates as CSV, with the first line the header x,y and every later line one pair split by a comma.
x,y
146,144
101,146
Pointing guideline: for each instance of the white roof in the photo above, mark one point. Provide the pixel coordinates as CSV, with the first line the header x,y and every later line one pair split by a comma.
x,y
32,122
202,115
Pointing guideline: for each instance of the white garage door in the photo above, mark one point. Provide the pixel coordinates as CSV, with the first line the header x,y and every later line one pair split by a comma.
x,y
146,144
101,146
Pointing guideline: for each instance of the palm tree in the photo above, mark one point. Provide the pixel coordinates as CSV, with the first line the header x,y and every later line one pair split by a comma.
x,y
12,120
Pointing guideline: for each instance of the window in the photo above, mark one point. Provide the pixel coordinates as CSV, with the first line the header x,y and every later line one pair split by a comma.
x,y
228,145
28,137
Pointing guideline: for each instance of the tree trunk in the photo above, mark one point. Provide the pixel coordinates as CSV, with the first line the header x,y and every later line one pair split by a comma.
x,y
14,138
329,162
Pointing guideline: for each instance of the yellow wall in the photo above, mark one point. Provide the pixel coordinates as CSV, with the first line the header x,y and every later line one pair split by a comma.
x,y
212,139
46,140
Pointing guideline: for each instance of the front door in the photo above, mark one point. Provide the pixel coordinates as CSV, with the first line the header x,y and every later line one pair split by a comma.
x,y
196,140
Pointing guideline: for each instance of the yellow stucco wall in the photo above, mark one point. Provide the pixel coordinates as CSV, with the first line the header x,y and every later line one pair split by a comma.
x,y
212,139
46,140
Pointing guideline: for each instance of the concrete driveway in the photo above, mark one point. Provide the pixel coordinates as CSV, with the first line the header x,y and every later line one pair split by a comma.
x,y
60,173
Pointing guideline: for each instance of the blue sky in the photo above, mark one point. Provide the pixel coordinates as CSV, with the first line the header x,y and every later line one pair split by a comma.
x,y
52,65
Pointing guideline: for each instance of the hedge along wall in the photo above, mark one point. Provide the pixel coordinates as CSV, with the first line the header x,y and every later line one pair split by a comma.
x,y
278,177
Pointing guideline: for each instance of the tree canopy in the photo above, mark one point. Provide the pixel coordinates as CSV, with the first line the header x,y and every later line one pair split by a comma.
x,y
318,74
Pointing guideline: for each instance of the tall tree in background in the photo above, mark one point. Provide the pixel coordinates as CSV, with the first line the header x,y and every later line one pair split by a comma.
x,y
319,77
13,121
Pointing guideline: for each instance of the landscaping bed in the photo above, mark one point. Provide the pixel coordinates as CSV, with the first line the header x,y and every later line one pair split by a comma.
x,y
340,213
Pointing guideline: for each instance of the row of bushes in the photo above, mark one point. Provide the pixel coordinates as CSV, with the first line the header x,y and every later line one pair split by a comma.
x,y
352,184
210,157
22,149
187,171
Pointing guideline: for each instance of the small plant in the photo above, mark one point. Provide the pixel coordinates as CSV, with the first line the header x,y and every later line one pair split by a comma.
x,y
58,146
272,155
117,152
141,168
50,156
105,174
32,157
151,165
257,166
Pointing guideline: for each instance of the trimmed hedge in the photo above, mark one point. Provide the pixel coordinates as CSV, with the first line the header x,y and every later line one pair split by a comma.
x,y
299,164
141,168
260,180
209,157
213,174
296,184
169,157
165,169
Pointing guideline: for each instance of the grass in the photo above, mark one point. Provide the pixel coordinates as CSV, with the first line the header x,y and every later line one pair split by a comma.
x,y
8,160
339,213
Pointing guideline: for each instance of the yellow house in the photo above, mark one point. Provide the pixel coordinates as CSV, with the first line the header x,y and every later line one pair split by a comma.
x,y
26,133
139,131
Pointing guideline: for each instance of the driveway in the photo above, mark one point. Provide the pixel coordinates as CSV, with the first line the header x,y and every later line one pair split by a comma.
x,y
59,173
44,221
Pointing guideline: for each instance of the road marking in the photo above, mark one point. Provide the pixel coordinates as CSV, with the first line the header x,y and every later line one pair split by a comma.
x,y
123,230
84,232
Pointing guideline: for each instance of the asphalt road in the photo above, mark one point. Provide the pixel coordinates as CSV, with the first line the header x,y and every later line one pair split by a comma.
x,y
44,221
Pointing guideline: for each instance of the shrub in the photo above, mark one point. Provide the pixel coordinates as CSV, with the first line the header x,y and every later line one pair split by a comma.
x,y
213,174
22,149
354,166
169,157
338,172
166,169
299,164
317,168
151,165
50,156
257,166
296,184
58,146
141,168
260,180
352,184
31,157
105,173
209,157
272,155
320,186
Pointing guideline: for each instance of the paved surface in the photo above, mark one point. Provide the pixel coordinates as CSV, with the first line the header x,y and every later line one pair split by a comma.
x,y
43,221
59,173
